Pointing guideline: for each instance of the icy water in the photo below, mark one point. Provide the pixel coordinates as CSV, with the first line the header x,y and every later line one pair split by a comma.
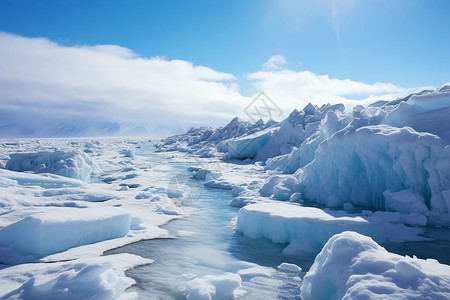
x,y
206,243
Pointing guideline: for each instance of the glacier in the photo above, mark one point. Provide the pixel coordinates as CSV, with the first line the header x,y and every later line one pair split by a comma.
x,y
334,182
373,156
382,170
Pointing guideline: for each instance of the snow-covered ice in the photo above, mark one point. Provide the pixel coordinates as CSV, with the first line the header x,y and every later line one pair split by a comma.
x,y
353,266
289,267
74,164
364,166
61,228
286,223
213,287
90,278
64,202
55,206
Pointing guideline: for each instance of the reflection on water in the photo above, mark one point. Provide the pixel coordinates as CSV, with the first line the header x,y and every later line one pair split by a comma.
x,y
437,248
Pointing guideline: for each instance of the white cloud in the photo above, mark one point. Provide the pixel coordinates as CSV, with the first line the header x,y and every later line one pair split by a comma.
x,y
42,79
295,89
43,84
276,62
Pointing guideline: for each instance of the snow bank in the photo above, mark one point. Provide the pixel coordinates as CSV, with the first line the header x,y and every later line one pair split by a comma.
x,y
369,166
74,164
93,278
285,223
353,266
213,287
59,229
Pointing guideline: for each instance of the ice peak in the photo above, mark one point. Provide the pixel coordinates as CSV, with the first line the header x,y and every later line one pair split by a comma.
x,y
309,109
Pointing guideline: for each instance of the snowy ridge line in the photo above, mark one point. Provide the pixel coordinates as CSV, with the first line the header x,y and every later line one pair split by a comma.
x,y
391,155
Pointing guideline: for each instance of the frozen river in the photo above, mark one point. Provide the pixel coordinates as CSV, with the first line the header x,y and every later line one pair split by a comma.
x,y
206,243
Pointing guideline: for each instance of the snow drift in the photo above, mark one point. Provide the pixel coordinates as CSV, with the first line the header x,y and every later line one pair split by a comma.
x,y
93,278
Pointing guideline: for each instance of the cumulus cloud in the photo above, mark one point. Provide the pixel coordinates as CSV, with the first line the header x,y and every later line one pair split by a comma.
x,y
295,89
50,89
42,81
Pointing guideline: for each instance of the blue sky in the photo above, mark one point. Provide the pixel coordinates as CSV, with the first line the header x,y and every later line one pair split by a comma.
x,y
403,42
402,45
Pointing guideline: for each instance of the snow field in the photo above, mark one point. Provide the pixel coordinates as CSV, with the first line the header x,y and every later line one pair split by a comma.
x,y
55,206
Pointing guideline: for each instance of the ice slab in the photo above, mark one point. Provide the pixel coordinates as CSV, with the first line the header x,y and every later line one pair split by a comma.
x,y
58,229
285,223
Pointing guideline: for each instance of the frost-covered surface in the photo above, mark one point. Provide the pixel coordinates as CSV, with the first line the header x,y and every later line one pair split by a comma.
x,y
353,266
73,199
201,140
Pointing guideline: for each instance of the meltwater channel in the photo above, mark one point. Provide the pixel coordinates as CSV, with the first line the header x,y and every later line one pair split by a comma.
x,y
206,243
